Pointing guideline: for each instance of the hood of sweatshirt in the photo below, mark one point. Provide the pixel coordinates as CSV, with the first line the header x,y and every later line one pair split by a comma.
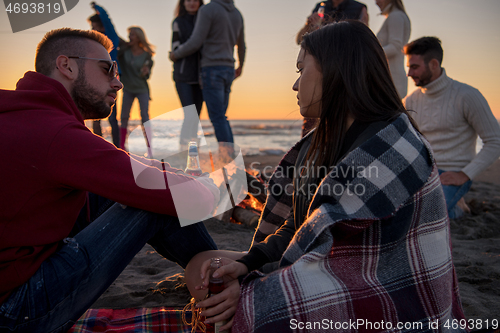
x,y
37,91
227,4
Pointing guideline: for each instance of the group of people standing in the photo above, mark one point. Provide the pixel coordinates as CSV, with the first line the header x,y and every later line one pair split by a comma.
x,y
393,35
203,66
203,41
135,61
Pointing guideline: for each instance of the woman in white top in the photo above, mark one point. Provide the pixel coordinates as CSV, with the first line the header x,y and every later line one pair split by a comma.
x,y
393,35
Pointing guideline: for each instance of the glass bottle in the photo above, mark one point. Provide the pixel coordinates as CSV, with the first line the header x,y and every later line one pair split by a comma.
x,y
193,161
321,10
215,286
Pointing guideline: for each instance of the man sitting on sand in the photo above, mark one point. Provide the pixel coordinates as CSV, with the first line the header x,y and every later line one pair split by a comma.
x,y
451,115
50,273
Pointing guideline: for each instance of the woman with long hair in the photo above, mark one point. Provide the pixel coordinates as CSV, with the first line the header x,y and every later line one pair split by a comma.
x,y
186,70
393,36
136,61
355,223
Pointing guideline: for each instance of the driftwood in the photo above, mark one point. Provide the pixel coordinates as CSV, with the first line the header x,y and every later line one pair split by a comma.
x,y
245,216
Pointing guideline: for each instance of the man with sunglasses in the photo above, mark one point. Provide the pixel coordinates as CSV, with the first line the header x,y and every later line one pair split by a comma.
x,y
52,269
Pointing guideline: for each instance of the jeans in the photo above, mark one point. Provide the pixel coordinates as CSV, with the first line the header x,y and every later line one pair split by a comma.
x,y
189,94
128,99
452,195
115,132
217,82
73,278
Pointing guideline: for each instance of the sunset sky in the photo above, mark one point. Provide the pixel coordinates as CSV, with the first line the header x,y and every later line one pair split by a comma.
x,y
469,30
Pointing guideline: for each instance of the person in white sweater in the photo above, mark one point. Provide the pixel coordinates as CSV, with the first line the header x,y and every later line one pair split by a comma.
x,y
393,35
451,115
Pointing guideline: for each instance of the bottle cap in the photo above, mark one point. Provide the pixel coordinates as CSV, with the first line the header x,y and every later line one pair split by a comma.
x,y
193,148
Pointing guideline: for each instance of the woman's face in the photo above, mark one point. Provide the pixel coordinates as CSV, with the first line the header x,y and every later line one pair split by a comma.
x,y
309,85
382,3
192,6
132,37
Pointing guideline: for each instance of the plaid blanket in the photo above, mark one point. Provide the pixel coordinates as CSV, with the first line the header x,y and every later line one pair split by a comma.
x,y
145,320
374,253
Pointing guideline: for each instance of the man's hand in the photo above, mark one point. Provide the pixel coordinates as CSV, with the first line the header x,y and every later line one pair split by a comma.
x,y
209,184
172,56
237,72
453,178
223,305
92,4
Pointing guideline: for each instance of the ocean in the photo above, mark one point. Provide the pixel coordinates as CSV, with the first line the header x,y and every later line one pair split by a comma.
x,y
254,137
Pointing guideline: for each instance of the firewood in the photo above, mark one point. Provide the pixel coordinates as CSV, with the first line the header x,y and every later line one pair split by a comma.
x,y
245,216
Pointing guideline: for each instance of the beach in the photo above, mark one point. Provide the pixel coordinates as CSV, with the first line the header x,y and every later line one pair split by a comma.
x,y
151,281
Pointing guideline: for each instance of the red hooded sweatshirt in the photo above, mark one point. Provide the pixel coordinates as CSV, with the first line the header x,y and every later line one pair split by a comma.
x,y
49,160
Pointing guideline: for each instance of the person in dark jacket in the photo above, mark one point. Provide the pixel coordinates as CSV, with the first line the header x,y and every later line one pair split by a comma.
x,y
219,28
333,11
102,23
186,70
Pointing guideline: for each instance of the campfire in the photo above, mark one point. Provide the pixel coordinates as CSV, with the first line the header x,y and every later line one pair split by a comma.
x,y
248,211
252,203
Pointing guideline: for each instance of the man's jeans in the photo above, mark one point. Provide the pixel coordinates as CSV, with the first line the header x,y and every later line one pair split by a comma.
x,y
452,195
189,94
72,279
217,82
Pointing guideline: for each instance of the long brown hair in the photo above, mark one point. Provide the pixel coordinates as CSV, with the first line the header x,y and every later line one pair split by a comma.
x,y
356,83
143,40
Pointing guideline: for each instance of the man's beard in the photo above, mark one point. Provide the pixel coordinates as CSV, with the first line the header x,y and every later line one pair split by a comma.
x,y
91,104
425,78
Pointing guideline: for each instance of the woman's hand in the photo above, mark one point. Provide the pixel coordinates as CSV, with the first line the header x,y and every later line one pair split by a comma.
x,y
222,306
231,269
172,56
145,71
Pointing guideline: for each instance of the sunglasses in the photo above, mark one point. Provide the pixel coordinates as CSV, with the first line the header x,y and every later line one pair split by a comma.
x,y
112,71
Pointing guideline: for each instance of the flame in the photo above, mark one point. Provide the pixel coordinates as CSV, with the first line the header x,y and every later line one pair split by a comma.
x,y
251,202
253,172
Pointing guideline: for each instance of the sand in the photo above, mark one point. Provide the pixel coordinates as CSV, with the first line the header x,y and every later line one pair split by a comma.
x,y
149,280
